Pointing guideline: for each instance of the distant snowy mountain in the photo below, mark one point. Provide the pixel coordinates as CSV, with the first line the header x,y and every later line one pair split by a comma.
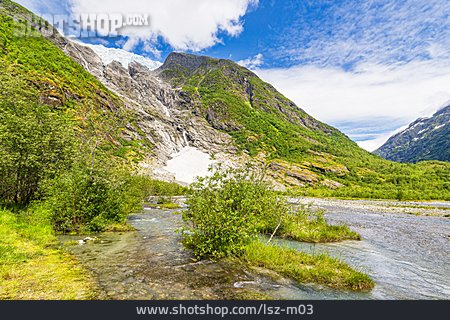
x,y
424,139
109,55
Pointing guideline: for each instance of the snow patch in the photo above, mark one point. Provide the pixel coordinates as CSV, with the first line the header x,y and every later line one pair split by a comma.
x,y
416,124
440,126
423,130
124,57
188,164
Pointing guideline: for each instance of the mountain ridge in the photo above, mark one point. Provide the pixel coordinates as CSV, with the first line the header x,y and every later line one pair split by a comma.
x,y
424,139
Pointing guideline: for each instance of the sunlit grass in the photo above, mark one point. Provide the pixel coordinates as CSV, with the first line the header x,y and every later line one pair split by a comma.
x,y
312,227
306,268
32,266
307,225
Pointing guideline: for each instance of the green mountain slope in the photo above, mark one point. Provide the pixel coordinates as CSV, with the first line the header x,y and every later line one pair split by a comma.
x,y
424,139
34,69
300,151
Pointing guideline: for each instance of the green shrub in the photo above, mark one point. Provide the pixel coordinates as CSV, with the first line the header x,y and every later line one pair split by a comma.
x,y
231,207
90,200
35,143
223,210
163,188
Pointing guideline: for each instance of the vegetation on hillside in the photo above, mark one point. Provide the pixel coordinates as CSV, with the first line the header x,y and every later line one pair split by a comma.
x,y
61,136
311,157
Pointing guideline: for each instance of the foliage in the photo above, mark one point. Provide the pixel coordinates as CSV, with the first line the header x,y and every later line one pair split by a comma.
x,y
92,199
223,209
82,199
163,188
35,142
306,268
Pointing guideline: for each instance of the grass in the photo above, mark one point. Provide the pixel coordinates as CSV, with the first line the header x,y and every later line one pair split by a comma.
x,y
304,224
164,205
309,226
31,264
316,230
306,268
168,205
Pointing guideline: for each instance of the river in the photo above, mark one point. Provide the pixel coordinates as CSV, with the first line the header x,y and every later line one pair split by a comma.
x,y
406,255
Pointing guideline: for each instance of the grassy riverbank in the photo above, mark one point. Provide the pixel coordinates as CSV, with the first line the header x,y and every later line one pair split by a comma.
x,y
306,268
33,266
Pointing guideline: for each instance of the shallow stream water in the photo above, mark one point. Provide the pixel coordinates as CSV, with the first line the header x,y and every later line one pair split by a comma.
x,y
407,256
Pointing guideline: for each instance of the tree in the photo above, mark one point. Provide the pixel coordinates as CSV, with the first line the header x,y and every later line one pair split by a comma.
x,y
35,144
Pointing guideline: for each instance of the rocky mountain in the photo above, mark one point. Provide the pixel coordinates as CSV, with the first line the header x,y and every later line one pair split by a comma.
x,y
194,111
424,139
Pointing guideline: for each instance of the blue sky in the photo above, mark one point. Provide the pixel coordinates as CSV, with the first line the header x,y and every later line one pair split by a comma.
x,y
367,67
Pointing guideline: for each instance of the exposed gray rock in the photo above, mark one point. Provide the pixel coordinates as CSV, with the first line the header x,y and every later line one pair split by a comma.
x,y
164,115
424,139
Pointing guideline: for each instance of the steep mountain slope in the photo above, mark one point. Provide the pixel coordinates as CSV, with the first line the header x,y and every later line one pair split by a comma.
x,y
262,122
33,69
212,105
49,69
298,149
424,139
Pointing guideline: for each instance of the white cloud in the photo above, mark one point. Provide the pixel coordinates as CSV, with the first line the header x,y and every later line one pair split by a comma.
x,y
396,93
347,32
185,25
252,62
373,144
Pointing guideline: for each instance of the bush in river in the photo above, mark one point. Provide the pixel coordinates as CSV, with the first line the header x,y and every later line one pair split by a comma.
x,y
90,200
230,208
85,199
224,209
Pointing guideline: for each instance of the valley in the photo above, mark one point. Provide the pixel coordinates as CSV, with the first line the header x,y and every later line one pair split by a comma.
x,y
93,152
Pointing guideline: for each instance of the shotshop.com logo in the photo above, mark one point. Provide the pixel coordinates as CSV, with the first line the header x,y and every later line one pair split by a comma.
x,y
82,25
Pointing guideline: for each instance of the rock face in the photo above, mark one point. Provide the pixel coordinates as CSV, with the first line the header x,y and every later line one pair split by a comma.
x,y
183,70
424,139
171,118
164,116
